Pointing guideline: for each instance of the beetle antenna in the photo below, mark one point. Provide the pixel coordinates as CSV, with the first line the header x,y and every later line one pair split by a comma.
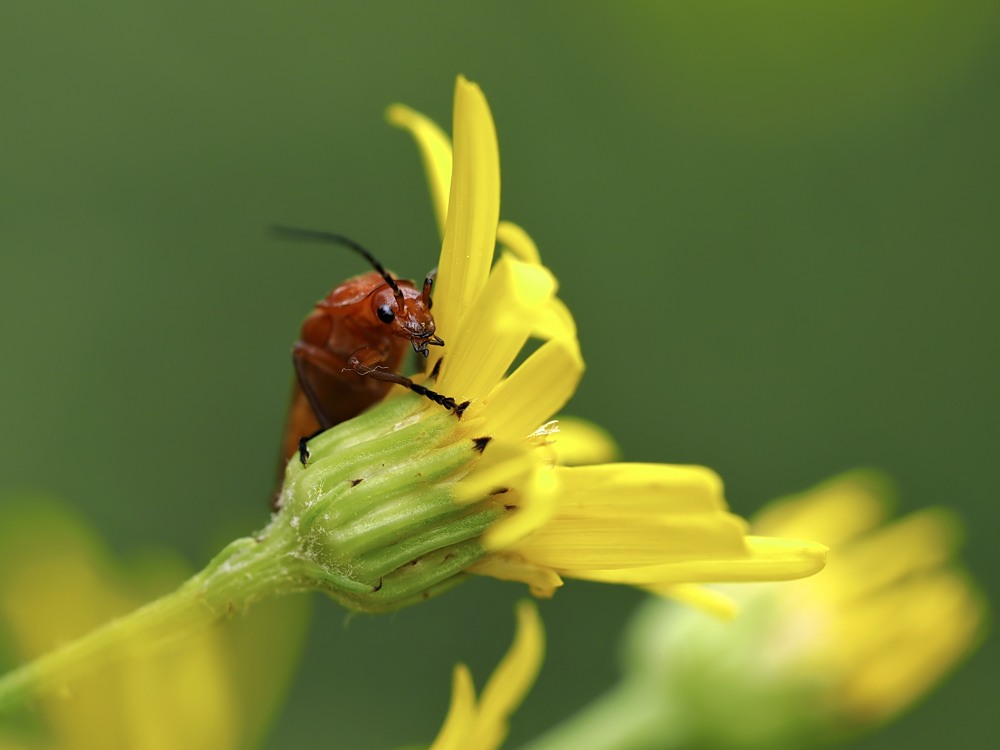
x,y
293,233
428,286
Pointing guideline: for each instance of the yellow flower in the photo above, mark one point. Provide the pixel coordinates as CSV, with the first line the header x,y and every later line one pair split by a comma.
x,y
655,526
891,614
806,662
483,726
57,581
401,502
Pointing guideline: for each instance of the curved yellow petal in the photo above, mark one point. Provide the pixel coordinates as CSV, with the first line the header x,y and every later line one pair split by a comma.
x,y
435,152
708,600
460,722
834,512
505,566
917,542
555,322
469,726
515,239
921,629
495,328
473,210
512,679
580,443
536,390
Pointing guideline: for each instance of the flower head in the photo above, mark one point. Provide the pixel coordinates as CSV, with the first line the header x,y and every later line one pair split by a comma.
x,y
394,505
806,661
892,613
646,525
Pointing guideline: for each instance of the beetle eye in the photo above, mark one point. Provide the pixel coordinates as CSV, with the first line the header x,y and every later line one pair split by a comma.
x,y
385,314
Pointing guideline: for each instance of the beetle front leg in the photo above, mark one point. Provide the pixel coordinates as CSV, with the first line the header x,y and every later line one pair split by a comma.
x,y
366,361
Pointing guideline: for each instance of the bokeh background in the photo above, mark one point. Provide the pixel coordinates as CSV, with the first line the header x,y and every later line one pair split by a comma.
x,y
775,222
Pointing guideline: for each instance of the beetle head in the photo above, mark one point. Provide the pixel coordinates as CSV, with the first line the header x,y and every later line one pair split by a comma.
x,y
404,309
407,313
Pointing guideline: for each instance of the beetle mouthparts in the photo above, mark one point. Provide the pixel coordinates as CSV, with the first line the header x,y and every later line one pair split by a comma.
x,y
420,345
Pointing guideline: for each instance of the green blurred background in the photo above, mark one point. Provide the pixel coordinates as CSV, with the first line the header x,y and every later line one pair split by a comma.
x,y
776,223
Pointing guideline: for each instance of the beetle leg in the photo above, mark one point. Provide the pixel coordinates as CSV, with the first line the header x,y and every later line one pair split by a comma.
x,y
322,396
306,385
332,398
365,362
304,446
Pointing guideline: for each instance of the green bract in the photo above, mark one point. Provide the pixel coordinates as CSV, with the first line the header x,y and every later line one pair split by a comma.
x,y
373,519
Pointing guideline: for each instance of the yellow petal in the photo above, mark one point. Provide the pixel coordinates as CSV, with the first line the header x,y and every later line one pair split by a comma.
x,y
504,566
542,383
708,600
495,328
609,543
512,679
473,210
459,723
484,727
435,151
916,542
922,629
613,490
834,512
536,390
515,239
554,322
535,509
504,465
615,516
766,560
580,442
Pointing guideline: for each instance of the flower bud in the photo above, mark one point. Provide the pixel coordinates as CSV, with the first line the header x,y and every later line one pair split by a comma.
x,y
374,512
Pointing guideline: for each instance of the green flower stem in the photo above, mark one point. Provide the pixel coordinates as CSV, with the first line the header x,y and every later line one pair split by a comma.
x,y
372,520
624,718
245,571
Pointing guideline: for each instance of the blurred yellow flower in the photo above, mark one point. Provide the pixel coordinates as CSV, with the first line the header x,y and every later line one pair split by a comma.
x,y
483,725
892,613
218,690
807,662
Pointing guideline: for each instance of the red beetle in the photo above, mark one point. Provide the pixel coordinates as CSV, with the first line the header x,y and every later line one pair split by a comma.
x,y
353,344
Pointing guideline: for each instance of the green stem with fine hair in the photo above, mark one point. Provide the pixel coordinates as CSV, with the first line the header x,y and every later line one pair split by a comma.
x,y
371,520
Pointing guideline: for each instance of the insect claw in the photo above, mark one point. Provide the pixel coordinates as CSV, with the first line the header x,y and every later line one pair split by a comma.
x,y
459,410
303,450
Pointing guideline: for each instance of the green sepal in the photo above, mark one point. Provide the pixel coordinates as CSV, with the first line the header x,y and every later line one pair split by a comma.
x,y
373,515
